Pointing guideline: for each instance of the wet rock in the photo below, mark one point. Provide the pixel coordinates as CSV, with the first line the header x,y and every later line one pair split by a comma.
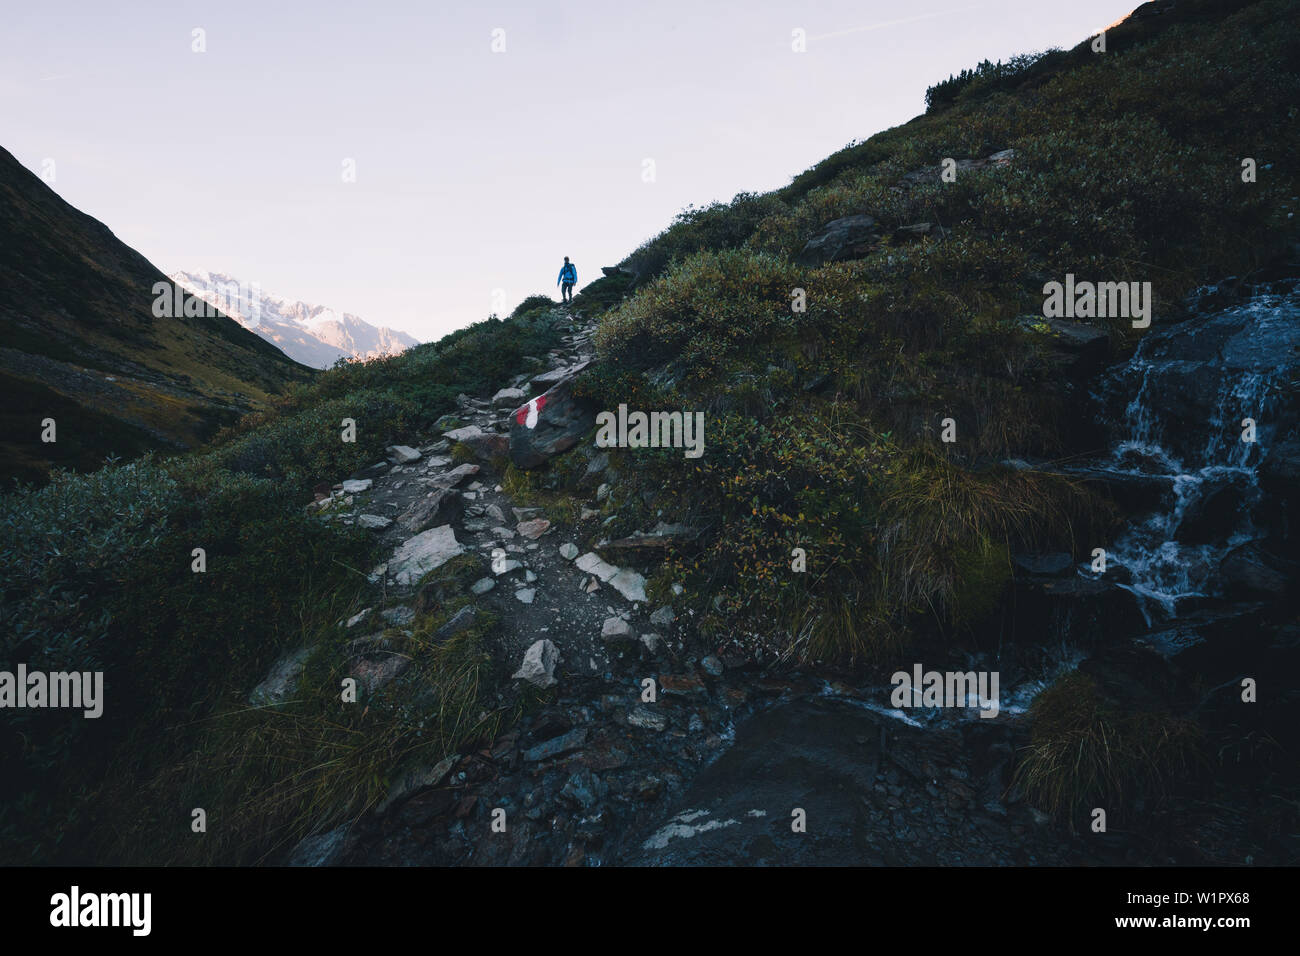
x,y
1054,564
539,662
711,666
1213,513
1249,572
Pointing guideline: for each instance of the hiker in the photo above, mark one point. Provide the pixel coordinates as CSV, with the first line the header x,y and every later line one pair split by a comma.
x,y
568,277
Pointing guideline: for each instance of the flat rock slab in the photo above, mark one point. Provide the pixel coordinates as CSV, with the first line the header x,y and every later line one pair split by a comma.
x,y
402,454
508,398
463,433
592,564
423,553
629,584
557,745
440,505
534,529
454,477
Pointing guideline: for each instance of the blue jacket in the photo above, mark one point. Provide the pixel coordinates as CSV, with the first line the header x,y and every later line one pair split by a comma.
x,y
569,273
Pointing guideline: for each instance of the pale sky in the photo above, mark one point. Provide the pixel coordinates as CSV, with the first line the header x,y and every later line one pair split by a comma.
x,y
476,171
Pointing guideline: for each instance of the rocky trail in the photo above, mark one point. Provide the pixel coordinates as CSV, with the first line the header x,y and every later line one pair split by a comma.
x,y
601,775
731,752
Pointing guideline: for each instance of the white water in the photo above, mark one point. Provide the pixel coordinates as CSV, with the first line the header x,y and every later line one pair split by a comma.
x,y
1165,571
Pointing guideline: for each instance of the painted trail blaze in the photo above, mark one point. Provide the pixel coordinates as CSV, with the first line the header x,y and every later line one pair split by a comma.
x,y
526,415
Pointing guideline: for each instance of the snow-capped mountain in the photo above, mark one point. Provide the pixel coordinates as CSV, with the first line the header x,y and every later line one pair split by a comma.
x,y
311,334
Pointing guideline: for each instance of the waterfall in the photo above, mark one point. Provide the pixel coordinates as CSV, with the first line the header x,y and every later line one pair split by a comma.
x,y
1192,385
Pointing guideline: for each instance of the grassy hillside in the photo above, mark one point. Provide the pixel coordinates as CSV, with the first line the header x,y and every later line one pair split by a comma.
x,y
79,343
823,433
824,425
95,574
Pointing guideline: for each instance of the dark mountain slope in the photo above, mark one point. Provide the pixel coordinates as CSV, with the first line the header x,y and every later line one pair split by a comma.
x,y
79,343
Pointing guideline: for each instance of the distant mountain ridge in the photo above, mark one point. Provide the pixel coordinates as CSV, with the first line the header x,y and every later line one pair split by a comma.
x,y
314,335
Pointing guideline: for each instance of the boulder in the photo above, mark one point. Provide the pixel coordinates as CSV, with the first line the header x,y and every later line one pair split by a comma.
x,y
402,454
1248,571
508,398
282,680
1055,564
555,376
616,629
454,477
356,486
549,424
423,553
539,662
850,237
484,445
440,506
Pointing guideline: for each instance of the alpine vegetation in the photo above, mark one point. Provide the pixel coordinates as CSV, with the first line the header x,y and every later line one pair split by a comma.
x,y
651,430
1098,300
